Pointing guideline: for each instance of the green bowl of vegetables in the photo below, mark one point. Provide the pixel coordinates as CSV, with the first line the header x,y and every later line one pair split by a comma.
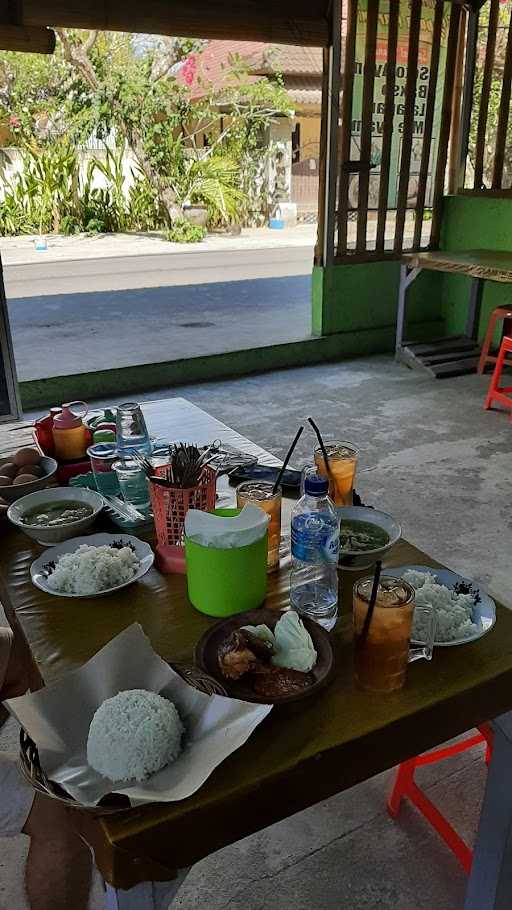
x,y
365,536
52,516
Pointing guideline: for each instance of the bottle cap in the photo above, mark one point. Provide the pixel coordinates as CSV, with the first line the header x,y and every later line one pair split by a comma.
x,y
316,485
67,419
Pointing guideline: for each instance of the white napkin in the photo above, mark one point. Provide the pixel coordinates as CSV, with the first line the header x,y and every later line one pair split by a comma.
x,y
58,718
209,530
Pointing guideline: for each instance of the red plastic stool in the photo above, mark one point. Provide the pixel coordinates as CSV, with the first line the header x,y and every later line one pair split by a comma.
x,y
405,786
503,313
497,392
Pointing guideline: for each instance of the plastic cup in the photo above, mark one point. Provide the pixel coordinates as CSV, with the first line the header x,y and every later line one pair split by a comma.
x,y
103,456
131,430
342,463
133,483
261,494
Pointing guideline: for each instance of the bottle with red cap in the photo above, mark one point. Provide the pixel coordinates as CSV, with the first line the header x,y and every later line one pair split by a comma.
x,y
70,435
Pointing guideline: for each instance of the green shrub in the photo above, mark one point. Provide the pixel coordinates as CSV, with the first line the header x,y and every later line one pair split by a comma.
x,y
184,232
69,225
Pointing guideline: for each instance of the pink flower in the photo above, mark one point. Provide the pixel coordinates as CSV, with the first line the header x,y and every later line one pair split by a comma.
x,y
14,122
189,69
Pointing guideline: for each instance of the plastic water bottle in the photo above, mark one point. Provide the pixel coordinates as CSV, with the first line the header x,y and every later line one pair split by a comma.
x,y
315,546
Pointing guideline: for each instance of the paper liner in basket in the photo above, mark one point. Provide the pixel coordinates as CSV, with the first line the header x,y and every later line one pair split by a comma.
x,y
58,718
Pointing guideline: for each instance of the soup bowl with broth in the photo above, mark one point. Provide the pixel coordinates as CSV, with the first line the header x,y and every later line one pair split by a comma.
x,y
365,536
52,516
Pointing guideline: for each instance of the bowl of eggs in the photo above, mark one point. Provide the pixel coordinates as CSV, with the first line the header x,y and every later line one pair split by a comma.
x,y
25,472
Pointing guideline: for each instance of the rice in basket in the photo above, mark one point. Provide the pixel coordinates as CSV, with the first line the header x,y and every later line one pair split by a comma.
x,y
133,735
91,570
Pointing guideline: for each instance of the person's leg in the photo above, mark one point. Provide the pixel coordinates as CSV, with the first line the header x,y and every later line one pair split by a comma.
x,y
59,864
14,680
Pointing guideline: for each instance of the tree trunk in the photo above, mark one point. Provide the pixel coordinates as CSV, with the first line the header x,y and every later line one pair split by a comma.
x,y
165,194
78,56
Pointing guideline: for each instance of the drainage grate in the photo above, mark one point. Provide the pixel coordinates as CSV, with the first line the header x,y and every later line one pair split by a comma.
x,y
195,325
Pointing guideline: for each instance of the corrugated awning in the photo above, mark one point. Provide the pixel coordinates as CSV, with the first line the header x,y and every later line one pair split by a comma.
x,y
280,21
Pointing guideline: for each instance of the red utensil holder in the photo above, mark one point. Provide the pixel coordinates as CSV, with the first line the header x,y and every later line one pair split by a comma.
x,y
170,506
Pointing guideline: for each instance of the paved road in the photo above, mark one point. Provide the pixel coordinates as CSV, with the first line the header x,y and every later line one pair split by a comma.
x,y
168,269
72,333
80,320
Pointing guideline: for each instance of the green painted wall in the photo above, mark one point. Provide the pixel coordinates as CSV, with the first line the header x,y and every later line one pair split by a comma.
x,y
474,222
39,392
364,297
349,298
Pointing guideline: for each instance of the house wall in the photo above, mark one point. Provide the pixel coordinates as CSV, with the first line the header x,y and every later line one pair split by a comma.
x,y
15,166
309,135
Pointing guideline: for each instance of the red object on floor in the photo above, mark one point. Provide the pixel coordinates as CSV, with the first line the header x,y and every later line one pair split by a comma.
x,y
406,787
502,394
503,314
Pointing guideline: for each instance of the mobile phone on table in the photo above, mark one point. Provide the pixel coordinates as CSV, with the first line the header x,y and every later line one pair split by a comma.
x,y
290,480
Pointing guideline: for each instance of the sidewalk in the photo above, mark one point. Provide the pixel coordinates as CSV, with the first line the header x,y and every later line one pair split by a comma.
x,y
21,250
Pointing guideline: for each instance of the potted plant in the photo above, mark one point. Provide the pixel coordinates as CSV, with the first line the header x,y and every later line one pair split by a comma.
x,y
195,213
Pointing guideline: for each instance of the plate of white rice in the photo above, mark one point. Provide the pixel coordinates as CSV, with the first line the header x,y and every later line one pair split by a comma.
x,y
92,566
464,611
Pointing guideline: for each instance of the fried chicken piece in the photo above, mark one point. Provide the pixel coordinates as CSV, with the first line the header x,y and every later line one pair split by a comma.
x,y
272,682
242,653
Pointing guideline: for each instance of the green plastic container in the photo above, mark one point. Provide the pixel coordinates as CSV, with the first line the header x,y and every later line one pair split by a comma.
x,y
224,582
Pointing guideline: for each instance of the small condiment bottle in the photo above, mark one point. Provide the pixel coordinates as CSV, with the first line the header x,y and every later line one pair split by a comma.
x,y
43,428
70,436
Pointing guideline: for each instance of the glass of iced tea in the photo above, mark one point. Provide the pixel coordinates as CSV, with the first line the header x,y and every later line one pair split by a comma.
x,y
342,458
261,494
381,658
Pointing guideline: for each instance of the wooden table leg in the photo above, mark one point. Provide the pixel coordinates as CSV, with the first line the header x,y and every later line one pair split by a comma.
x,y
490,882
475,305
146,896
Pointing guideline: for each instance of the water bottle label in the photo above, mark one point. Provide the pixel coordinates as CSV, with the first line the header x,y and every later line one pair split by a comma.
x,y
314,539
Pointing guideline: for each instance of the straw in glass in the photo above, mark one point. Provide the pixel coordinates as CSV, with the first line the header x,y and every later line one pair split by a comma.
x,y
371,606
287,459
321,444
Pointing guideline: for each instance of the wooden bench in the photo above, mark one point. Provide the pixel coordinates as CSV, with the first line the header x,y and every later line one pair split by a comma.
x,y
458,354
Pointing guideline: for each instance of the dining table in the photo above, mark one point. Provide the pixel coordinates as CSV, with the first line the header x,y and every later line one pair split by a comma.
x,y
301,753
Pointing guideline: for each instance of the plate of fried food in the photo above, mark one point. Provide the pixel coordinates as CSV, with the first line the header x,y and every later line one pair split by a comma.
x,y
267,657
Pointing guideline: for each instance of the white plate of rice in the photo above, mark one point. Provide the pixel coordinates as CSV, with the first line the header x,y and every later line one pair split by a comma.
x,y
464,611
92,566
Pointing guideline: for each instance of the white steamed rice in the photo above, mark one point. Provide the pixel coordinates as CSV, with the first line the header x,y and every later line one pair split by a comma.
x,y
454,612
133,735
90,570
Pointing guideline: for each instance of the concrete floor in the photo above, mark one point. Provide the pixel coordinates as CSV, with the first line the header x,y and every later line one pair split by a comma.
x,y
439,463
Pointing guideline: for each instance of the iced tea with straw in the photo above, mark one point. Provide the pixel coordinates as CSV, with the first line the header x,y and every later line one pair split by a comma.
x,y
342,457
381,658
261,494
